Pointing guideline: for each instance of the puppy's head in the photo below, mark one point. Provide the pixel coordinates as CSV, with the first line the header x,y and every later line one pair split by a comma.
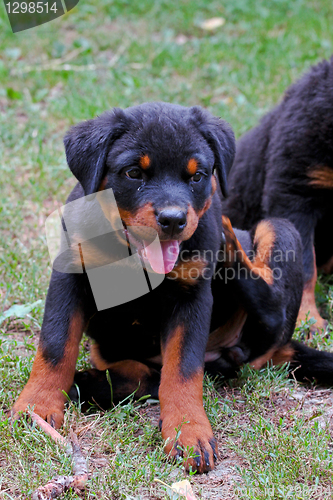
x,y
159,160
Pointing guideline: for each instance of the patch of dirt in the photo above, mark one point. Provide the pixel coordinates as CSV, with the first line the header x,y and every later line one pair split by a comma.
x,y
18,332
222,482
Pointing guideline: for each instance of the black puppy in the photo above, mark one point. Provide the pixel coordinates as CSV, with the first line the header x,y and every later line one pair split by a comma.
x,y
159,159
284,168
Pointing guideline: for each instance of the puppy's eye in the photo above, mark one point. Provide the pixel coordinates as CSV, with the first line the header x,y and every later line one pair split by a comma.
x,y
197,177
134,173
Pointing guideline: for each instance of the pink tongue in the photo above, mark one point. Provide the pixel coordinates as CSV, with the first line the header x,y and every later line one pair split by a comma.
x,y
163,264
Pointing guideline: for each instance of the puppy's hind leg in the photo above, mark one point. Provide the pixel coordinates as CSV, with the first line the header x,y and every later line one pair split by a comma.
x,y
124,378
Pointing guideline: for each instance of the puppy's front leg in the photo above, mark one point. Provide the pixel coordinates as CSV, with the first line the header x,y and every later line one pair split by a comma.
x,y
54,365
184,422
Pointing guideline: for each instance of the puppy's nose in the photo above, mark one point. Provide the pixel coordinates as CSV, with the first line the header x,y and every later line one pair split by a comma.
x,y
172,221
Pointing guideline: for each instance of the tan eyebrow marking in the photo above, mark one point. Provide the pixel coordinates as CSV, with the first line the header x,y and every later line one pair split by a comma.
x,y
192,166
144,162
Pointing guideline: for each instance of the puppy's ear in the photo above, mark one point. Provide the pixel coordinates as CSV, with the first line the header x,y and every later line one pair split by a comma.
x,y
221,139
87,145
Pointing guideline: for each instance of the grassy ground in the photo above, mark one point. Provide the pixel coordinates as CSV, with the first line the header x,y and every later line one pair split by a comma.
x,y
275,437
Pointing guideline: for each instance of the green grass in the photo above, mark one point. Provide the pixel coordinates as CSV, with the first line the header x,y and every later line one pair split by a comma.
x,y
122,53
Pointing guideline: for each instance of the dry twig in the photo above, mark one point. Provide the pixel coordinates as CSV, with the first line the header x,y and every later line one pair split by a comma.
x,y
60,484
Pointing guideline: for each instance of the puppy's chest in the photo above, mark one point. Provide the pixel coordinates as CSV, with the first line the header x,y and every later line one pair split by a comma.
x,y
148,311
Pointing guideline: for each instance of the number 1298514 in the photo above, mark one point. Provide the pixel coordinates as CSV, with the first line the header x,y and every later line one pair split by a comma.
x,y
31,7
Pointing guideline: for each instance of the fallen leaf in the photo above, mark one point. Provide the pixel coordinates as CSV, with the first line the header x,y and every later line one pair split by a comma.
x,y
19,310
184,489
213,23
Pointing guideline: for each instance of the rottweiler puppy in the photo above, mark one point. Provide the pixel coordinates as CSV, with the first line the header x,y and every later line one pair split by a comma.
x,y
284,168
228,297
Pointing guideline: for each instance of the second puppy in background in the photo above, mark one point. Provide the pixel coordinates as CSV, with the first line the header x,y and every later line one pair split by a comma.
x,y
284,168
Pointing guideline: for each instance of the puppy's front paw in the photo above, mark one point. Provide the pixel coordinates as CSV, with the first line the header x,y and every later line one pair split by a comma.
x,y
49,406
306,313
191,438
